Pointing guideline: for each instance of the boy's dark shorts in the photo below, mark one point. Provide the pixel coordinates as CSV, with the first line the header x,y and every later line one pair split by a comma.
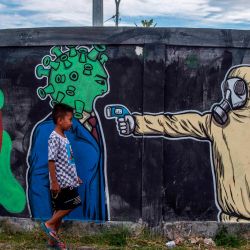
x,y
67,198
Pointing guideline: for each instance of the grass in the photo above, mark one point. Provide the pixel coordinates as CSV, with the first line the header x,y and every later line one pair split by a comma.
x,y
223,238
113,238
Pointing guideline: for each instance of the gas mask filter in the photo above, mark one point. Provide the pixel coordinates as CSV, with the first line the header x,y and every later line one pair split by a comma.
x,y
234,97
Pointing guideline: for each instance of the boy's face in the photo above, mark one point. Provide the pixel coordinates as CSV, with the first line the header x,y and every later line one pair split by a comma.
x,y
65,123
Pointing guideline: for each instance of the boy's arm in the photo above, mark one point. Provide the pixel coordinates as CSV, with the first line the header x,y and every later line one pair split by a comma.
x,y
55,188
53,146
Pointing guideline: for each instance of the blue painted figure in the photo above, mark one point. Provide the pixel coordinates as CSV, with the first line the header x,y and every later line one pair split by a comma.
x,y
85,136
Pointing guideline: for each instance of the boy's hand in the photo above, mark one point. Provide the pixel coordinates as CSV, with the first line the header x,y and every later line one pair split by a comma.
x,y
79,180
55,188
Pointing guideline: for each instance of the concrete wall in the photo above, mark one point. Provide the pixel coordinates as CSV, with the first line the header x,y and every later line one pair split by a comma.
x,y
188,169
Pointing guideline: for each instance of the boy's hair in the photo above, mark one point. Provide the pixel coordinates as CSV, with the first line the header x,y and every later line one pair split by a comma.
x,y
60,110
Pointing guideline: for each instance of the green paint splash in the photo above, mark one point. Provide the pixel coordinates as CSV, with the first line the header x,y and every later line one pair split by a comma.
x,y
12,195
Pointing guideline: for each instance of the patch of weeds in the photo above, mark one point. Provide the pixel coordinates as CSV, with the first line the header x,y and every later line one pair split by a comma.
x,y
181,248
115,237
146,240
223,238
22,240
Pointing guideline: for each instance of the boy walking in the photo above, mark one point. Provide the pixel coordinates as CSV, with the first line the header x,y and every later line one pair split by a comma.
x,y
63,176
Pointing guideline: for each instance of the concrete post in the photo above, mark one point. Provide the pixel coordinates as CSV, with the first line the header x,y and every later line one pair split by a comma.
x,y
97,14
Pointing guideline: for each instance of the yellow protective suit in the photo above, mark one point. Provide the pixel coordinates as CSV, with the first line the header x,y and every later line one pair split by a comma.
x,y
230,145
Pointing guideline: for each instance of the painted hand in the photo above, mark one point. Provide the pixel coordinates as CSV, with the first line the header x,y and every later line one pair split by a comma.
x,y
126,125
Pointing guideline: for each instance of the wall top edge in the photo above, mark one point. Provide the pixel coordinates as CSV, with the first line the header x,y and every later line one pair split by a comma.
x,y
50,36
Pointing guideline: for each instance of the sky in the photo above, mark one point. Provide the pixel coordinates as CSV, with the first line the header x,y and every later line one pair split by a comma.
x,y
226,14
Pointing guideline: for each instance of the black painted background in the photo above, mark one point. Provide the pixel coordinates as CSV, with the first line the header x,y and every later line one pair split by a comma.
x,y
150,178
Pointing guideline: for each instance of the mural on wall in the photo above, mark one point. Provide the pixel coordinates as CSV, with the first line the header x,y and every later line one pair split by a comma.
x,y
12,196
75,76
225,127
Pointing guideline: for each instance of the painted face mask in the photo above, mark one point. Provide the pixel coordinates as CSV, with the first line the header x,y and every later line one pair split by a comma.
x,y
234,97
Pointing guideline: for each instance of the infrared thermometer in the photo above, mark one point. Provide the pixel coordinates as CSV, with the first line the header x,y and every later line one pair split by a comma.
x,y
116,111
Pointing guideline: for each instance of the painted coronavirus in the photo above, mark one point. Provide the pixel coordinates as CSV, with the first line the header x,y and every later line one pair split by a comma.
x,y
75,76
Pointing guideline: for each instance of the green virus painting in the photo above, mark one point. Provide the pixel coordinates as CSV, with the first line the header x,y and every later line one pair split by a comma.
x,y
75,77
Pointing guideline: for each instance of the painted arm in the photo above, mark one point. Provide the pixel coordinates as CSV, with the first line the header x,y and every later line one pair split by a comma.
x,y
189,124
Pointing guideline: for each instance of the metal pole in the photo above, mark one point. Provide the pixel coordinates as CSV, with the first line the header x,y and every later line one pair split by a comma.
x,y
97,14
117,3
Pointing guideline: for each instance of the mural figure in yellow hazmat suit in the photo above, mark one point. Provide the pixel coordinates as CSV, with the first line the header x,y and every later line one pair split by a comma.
x,y
226,126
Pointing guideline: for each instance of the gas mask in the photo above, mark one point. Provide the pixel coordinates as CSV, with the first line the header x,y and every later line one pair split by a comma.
x,y
234,97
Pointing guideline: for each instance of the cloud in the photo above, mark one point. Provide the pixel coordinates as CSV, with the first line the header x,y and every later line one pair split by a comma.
x,y
2,6
194,8
47,13
200,13
204,12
